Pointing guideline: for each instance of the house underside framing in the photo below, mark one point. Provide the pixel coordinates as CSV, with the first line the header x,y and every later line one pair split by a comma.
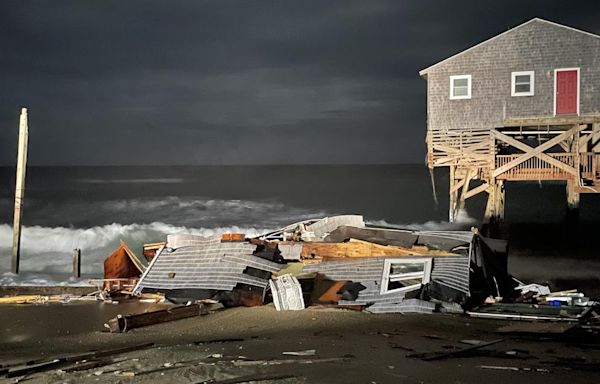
x,y
482,160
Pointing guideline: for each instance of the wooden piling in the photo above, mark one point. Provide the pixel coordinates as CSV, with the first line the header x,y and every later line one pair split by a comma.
x,y
19,189
77,263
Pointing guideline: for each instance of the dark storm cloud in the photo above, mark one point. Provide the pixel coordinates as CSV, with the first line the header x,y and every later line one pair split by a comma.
x,y
212,82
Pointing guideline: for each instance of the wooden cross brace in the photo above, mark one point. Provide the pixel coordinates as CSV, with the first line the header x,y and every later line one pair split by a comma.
x,y
468,151
537,151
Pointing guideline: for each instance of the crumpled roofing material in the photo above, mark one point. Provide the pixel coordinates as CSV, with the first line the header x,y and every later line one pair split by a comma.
x,y
210,264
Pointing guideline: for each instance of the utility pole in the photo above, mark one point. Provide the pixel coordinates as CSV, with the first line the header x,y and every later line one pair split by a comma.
x,y
20,189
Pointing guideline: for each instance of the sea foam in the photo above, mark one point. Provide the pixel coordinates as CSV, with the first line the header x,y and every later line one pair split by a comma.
x,y
46,251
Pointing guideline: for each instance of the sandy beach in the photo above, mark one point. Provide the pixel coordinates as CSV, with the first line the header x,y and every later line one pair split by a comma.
x,y
350,347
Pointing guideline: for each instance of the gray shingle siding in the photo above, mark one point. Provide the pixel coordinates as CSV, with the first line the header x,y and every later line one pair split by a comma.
x,y
537,46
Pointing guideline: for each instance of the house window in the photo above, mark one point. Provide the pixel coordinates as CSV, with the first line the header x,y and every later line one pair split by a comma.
x,y
460,87
522,83
405,275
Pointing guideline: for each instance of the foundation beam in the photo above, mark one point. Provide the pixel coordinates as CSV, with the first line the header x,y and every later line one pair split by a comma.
x,y
453,206
494,210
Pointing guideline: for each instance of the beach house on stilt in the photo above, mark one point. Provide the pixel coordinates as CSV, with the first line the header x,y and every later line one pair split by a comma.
x,y
521,106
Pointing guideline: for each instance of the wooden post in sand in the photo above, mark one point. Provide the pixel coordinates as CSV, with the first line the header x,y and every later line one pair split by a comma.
x,y
77,263
20,189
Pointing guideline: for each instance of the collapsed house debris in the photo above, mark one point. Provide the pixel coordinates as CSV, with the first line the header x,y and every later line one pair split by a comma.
x,y
341,261
122,269
194,267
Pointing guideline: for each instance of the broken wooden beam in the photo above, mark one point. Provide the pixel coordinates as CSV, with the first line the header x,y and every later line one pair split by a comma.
x,y
252,378
430,356
124,323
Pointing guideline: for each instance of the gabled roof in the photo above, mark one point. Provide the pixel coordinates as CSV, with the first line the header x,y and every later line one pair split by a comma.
x,y
537,19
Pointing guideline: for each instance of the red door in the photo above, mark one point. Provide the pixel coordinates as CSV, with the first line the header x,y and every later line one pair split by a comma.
x,y
566,92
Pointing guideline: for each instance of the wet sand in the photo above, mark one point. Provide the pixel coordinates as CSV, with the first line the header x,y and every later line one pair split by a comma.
x,y
362,343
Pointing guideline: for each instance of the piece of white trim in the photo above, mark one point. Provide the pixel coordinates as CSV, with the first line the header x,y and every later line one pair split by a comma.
x,y
513,83
136,290
423,72
460,77
578,86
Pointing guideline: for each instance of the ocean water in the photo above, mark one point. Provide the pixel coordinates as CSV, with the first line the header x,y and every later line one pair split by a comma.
x,y
92,208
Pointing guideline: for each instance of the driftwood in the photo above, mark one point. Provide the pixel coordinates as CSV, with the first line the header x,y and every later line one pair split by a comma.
x,y
124,323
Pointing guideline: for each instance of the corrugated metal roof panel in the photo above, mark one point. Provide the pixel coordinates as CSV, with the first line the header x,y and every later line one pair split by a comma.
x,y
207,264
452,272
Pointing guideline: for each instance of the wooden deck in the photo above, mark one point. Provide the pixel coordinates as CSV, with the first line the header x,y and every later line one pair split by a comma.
x,y
548,148
538,169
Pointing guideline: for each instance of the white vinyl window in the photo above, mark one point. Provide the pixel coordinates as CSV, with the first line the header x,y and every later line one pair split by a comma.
x,y
522,83
405,275
460,87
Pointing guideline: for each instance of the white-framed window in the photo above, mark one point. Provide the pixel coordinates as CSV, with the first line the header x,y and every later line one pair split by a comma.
x,y
522,83
406,274
460,87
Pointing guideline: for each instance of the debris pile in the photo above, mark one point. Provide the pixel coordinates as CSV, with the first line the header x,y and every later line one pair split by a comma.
x,y
336,261
339,261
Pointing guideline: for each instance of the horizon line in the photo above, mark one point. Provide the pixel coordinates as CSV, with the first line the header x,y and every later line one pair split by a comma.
x,y
207,165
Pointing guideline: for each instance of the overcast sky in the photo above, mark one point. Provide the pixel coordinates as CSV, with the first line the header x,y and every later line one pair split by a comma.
x,y
236,82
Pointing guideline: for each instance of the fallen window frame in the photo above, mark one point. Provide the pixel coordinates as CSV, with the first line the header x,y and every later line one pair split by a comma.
x,y
387,277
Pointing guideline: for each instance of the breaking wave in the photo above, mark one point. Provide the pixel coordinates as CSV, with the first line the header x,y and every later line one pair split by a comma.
x,y
46,251
462,222
190,212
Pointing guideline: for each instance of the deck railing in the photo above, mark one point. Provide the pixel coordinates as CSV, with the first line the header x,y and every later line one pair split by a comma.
x,y
536,168
590,162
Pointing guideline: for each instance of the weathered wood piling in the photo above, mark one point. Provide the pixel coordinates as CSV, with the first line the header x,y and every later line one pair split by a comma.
x,y
20,189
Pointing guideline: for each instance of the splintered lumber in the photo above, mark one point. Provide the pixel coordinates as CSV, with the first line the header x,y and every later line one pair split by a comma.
x,y
253,378
456,353
30,367
359,248
29,299
273,361
124,323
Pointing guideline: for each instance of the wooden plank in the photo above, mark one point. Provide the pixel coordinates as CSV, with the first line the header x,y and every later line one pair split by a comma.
x,y
583,141
254,377
457,186
482,188
358,248
455,353
535,152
